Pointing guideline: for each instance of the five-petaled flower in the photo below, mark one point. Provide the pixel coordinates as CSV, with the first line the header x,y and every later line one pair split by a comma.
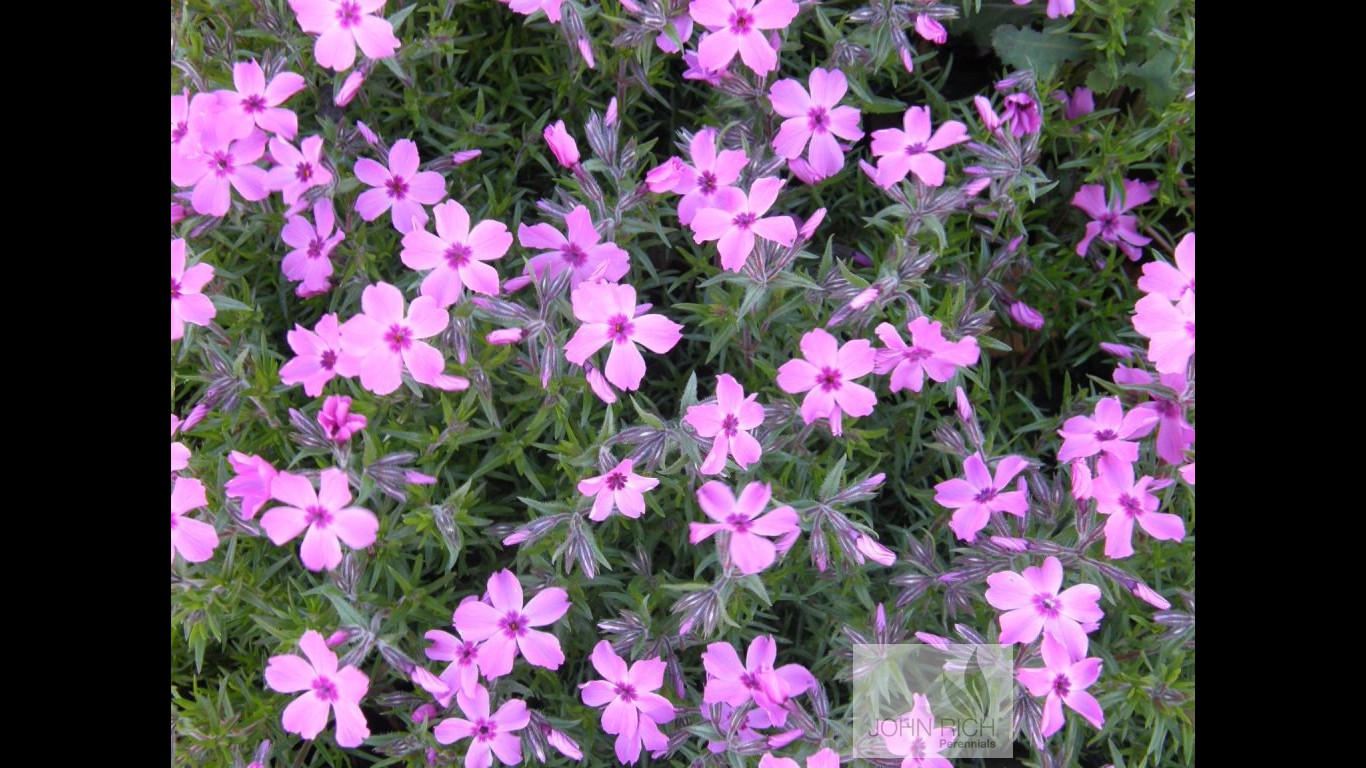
x,y
900,152
490,734
736,27
251,483
297,170
974,499
325,689
827,376
735,228
1109,430
1033,603
733,683
456,253
916,741
318,356
633,710
582,251
399,187
1169,328
1110,221
1128,502
1172,282
384,340
311,260
341,25
1063,681
929,353
193,539
257,103
322,516
750,528
816,117
707,183
728,422
608,316
188,303
504,625
620,489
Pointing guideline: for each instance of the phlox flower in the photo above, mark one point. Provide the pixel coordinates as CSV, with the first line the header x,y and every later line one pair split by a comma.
x,y
582,251
456,254
1128,502
916,741
696,71
251,483
322,516
326,689
904,151
310,262
490,734
1188,473
1079,103
608,316
929,353
734,683
180,455
400,187
561,143
1063,681
1021,113
318,356
735,228
1055,9
462,673
188,303
385,341
735,28
528,7
1171,282
341,25
221,166
620,489
1109,219
297,170
1174,433
1109,430
1033,604
633,710
929,28
708,182
826,758
337,419
728,423
504,625
193,539
974,499
827,376
257,103
682,25
350,87
1170,330
1026,316
750,528
815,117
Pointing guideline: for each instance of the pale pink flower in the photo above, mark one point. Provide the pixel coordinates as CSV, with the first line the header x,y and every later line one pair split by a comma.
x,y
385,341
194,540
598,383
562,144
180,455
707,183
582,251
1171,282
528,7
1109,430
297,171
735,228
728,422
620,489
736,28
1026,316
456,254
400,187
341,26
1169,328
827,376
350,87
1109,219
326,690
188,303
310,262
256,102
490,734
928,354
733,683
749,526
900,152
504,625
221,166
1032,603
1128,502
462,673
251,483
318,356
337,419
322,516
815,117
916,741
608,316
975,498
633,710
1063,681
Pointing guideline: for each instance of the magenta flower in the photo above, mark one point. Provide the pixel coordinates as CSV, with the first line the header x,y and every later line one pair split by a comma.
x,y
504,625
400,187
528,7
341,26
815,117
456,254
682,25
462,673
916,741
297,171
826,758
608,316
326,690
1026,316
1170,330
1021,113
255,102
490,734
1174,433
733,683
750,528
908,151
561,143
1109,431
310,262
1080,103
221,166
251,483
633,711
728,422
318,356
696,71
827,376
930,29
180,455
1127,502
735,28
583,251
188,303
1062,681
1033,604
194,540
621,489
1171,282
337,419
707,183
1109,221
928,354
1055,9
385,341
735,228
350,87
1188,473
321,516
974,499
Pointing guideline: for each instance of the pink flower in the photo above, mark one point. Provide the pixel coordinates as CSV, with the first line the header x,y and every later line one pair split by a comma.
x,y
462,673
1055,9
342,25
490,734
350,87
255,102
464,156
621,489
990,120
817,118
385,341
1109,222
310,262
583,251
456,254
827,376
917,741
735,27
1174,433
221,166
399,187
908,151
974,499
296,171
1109,430
826,758
562,144
930,29
1081,103
633,711
1026,316
608,316
180,455
337,419
1188,473
733,683
504,625
252,482
1033,604
177,213
707,183
928,354
318,356
1062,681
696,71
1170,282
1127,502
728,422
682,25
1021,113
188,303
326,689
749,526
736,227
867,546
322,514
194,540
528,7
1170,330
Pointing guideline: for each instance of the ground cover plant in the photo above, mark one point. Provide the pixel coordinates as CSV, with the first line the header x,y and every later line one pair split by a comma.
x,y
580,382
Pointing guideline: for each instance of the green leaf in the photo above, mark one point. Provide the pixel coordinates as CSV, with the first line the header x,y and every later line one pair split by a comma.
x,y
1036,51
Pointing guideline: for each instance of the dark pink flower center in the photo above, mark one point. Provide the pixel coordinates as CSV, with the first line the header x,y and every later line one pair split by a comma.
x,y
458,255
329,359
750,681
829,379
616,481
1190,329
619,329
175,518
916,148
315,248
466,653
303,171
730,425
708,182
918,750
985,495
175,289
1130,505
325,689
396,187
1108,222
913,354
513,624
738,522
744,220
818,120
348,14
574,255
1105,434
626,692
222,163
399,338
1061,685
741,22
485,730
179,132
253,104
1046,605
318,517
